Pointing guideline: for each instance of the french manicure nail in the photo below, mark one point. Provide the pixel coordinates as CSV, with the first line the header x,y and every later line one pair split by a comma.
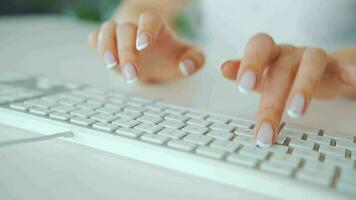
x,y
187,67
247,82
265,135
109,59
142,41
129,73
296,106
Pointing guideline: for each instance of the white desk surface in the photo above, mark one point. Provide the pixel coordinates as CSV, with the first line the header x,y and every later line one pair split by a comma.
x,y
57,48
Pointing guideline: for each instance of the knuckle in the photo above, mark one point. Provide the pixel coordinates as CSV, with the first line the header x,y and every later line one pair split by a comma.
x,y
263,37
125,50
318,52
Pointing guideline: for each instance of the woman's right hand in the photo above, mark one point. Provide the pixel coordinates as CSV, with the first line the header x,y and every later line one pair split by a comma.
x,y
148,51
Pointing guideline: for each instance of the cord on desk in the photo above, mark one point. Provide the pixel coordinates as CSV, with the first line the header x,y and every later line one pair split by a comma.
x,y
37,139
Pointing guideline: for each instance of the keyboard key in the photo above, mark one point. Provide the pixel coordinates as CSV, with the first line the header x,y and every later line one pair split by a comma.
x,y
182,145
153,138
128,114
124,122
155,113
135,109
339,136
245,140
211,152
196,115
292,134
278,149
172,133
149,128
63,108
320,167
83,113
220,134
20,106
39,111
108,110
172,124
89,106
40,103
82,121
245,132
285,159
346,187
175,111
228,146
245,160
60,116
314,177
104,126
319,139
149,119
198,139
176,117
306,154
342,162
129,132
218,119
281,139
254,152
241,123
277,168
195,129
294,142
345,144
222,127
327,149
103,117
199,122
307,130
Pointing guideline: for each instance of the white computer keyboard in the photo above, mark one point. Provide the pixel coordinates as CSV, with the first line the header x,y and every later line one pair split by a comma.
x,y
304,164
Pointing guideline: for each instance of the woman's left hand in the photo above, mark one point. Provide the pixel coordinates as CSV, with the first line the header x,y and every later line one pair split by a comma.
x,y
289,76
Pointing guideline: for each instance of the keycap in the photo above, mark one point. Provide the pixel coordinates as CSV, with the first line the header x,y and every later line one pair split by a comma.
x,y
172,133
346,187
285,159
245,132
277,168
182,145
197,115
353,154
281,139
82,121
223,127
154,113
89,106
245,140
340,136
307,130
69,102
291,134
199,122
63,108
314,177
153,138
228,146
198,139
319,139
345,144
241,123
134,109
129,132
172,124
40,103
124,122
218,119
175,111
278,149
320,167
103,117
128,114
195,129
39,111
105,126
254,152
108,110
210,152
220,134
60,116
83,113
150,119
155,107
339,161
149,128
294,142
327,149
306,154
177,117
20,106
245,160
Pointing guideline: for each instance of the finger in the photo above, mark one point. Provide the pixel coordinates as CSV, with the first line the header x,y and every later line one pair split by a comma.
x,y
310,73
93,39
191,61
126,37
149,26
107,44
260,51
275,92
229,69
348,74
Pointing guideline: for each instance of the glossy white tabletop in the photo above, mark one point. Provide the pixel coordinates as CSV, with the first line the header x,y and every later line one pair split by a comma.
x,y
57,48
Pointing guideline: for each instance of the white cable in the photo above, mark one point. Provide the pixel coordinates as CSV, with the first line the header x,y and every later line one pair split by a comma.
x,y
37,139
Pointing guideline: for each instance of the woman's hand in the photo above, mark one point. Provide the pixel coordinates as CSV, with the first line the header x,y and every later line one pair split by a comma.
x,y
147,50
289,75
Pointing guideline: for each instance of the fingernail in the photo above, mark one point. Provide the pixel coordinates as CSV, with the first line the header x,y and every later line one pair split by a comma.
x,y
142,41
187,67
109,59
265,135
296,106
129,73
247,82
